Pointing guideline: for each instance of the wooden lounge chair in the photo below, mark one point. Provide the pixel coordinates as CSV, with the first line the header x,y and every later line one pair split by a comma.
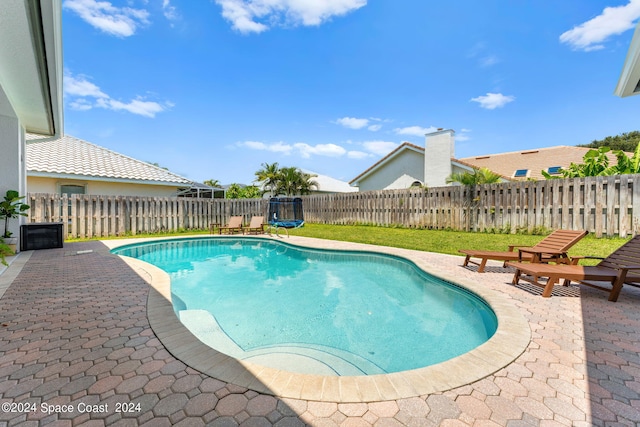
x,y
552,248
619,268
256,226
234,225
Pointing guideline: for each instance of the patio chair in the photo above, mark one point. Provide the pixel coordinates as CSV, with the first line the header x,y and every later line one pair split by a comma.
x,y
234,225
256,226
552,248
619,268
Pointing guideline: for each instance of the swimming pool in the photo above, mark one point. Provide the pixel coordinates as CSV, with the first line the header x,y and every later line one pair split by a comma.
x,y
316,311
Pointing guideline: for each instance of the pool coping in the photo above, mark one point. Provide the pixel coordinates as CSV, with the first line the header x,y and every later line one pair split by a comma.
x,y
510,340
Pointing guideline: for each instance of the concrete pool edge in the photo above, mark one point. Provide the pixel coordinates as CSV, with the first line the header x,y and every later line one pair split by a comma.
x,y
509,342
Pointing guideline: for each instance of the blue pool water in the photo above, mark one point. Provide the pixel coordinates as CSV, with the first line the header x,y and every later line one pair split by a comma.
x,y
345,312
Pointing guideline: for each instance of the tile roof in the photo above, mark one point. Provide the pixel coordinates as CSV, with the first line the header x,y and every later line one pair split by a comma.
x,y
327,184
505,164
534,160
78,158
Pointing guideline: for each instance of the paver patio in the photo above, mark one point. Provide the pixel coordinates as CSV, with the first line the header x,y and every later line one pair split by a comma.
x,y
74,331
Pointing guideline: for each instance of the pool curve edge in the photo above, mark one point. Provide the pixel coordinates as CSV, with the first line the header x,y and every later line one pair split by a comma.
x,y
509,341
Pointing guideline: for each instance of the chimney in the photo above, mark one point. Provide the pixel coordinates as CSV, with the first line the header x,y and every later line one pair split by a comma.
x,y
439,149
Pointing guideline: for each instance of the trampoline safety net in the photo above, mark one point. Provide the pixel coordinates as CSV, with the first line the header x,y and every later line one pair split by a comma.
x,y
286,212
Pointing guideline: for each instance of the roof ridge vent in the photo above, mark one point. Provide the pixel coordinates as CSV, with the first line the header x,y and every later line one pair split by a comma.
x,y
530,152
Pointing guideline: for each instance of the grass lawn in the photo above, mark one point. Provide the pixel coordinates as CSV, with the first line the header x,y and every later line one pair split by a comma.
x,y
447,242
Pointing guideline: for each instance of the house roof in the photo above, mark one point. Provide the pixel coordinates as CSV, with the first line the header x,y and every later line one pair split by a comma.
x,y
31,58
74,158
327,184
533,161
629,82
399,149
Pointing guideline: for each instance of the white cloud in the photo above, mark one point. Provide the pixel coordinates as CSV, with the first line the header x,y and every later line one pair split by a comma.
x,y
83,95
381,148
245,15
463,135
589,35
354,154
276,147
80,105
79,86
355,123
414,130
137,106
303,149
352,122
169,11
491,101
116,21
327,150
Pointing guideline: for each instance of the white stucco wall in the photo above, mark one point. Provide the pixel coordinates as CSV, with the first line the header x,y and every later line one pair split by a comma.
x,y
36,184
12,163
408,165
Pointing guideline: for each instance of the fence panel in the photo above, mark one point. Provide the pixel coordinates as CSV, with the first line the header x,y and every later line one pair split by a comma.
x,y
605,206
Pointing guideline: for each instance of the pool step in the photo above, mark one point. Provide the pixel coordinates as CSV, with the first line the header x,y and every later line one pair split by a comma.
x,y
301,358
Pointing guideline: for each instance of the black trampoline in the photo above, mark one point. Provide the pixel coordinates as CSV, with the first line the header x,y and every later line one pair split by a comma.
x,y
286,212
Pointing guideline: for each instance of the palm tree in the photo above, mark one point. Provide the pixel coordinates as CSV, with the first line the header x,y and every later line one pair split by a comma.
x,y
212,183
292,181
307,183
477,177
268,177
470,180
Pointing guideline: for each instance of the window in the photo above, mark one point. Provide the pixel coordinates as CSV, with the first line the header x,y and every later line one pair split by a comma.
x,y
554,170
72,189
521,173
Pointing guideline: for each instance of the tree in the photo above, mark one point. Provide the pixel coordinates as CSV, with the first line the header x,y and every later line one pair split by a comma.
x,y
626,164
292,181
237,191
477,177
627,141
289,181
470,180
596,163
212,183
268,176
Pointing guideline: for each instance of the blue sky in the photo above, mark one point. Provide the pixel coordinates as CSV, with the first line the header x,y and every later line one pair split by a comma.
x,y
211,89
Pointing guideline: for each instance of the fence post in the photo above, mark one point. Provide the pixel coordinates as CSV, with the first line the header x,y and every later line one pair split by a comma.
x,y
600,205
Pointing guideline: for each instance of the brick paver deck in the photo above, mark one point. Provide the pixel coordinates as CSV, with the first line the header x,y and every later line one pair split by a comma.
x,y
76,348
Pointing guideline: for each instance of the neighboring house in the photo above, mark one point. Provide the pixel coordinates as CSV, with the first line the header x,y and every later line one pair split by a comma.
x,y
30,83
326,184
73,166
408,166
629,82
529,164
401,168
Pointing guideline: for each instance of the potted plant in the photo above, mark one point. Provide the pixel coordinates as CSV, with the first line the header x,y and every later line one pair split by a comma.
x,y
11,207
